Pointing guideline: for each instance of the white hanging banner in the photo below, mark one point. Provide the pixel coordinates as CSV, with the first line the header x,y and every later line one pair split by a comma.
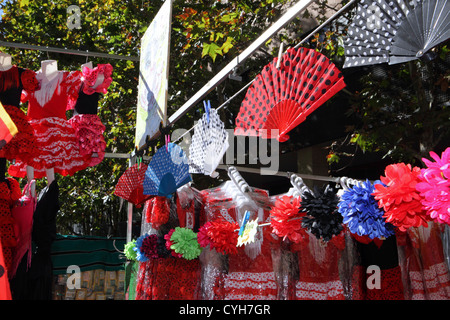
x,y
153,76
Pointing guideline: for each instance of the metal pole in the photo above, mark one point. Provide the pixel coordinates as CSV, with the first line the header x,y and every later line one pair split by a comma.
x,y
223,74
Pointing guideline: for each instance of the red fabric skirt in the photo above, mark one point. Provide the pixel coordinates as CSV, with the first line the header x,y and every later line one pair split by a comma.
x,y
391,285
168,279
89,134
23,145
8,195
59,150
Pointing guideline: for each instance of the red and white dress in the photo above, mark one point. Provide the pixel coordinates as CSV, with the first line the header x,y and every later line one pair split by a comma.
x,y
56,139
318,263
88,127
425,271
246,278
23,145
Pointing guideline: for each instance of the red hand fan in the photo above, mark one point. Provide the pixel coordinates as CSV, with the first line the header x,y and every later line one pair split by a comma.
x,y
282,98
130,185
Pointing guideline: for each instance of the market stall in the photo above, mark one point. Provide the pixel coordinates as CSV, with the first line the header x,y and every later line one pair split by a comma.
x,y
345,239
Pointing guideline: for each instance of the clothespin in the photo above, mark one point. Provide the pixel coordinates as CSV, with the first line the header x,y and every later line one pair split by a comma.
x,y
244,222
207,105
167,142
280,54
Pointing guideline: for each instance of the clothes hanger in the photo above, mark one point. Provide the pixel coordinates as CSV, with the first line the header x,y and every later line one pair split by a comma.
x,y
298,184
347,183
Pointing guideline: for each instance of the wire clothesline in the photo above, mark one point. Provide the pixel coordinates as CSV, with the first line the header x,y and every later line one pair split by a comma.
x,y
86,53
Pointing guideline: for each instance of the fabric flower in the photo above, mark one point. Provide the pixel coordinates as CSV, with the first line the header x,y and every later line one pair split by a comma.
x,y
146,247
29,81
202,236
129,251
434,187
223,235
90,78
158,211
322,218
184,241
361,213
398,196
285,219
169,244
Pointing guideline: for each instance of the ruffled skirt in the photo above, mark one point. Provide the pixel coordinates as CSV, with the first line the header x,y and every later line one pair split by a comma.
x,y
89,134
23,145
9,193
59,150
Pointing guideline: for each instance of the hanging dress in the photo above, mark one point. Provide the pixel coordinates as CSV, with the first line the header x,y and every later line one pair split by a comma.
x,y
318,264
252,278
247,277
23,145
424,268
382,254
5,291
171,278
55,136
9,193
88,127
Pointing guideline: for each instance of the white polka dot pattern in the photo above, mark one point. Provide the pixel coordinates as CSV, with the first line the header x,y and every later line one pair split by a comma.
x,y
166,162
371,33
209,144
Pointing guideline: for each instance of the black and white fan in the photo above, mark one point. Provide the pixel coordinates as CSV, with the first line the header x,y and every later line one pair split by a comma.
x,y
395,31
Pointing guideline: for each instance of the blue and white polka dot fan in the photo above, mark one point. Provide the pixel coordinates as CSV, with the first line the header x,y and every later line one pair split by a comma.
x,y
167,171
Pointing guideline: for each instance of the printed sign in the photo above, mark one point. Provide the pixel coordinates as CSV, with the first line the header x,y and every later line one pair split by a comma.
x,y
153,76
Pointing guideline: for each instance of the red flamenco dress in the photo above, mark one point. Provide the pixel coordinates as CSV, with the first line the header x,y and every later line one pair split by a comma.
x,y
55,136
384,255
250,273
318,263
9,193
88,127
23,145
5,290
171,277
252,278
425,272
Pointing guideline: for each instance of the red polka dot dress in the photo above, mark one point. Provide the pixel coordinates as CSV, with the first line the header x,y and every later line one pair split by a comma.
x,y
23,145
9,193
171,278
